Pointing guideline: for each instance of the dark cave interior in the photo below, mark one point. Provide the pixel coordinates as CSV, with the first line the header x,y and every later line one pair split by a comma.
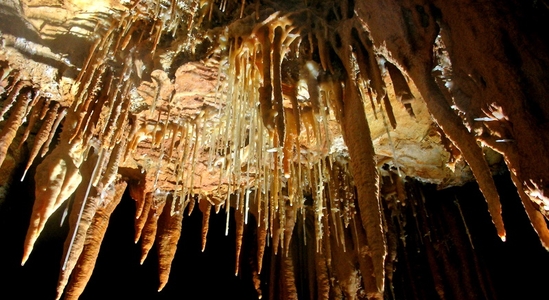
x,y
509,270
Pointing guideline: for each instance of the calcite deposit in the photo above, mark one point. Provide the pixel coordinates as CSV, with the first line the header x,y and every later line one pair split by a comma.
x,y
284,112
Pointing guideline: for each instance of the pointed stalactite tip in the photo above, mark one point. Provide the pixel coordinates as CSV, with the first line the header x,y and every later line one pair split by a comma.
x,y
26,254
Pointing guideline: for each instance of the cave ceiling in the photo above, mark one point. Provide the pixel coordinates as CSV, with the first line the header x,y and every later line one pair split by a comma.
x,y
271,109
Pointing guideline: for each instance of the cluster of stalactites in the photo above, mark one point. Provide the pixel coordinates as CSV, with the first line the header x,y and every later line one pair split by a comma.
x,y
78,157
286,81
271,144
98,133
278,106
266,164
492,131
93,141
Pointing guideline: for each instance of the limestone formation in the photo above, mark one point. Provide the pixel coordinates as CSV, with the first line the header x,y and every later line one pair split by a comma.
x,y
311,117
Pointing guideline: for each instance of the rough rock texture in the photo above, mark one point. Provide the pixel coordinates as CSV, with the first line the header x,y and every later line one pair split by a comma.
x,y
309,116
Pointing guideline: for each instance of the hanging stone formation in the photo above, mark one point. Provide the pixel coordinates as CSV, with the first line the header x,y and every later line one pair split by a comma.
x,y
301,112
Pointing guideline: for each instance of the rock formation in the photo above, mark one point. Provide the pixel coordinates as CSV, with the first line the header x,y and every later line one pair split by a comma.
x,y
313,120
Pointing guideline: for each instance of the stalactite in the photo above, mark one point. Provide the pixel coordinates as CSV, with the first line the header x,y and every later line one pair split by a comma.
x,y
239,219
13,96
356,133
277,83
310,74
288,288
261,240
290,214
84,108
45,108
87,200
366,262
111,169
34,111
106,135
23,94
402,89
169,231
88,60
12,77
4,70
453,127
276,230
141,219
322,277
158,34
323,50
341,261
537,219
206,209
56,178
149,232
37,97
265,92
192,203
46,146
94,237
389,111
121,129
105,155
368,62
42,136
